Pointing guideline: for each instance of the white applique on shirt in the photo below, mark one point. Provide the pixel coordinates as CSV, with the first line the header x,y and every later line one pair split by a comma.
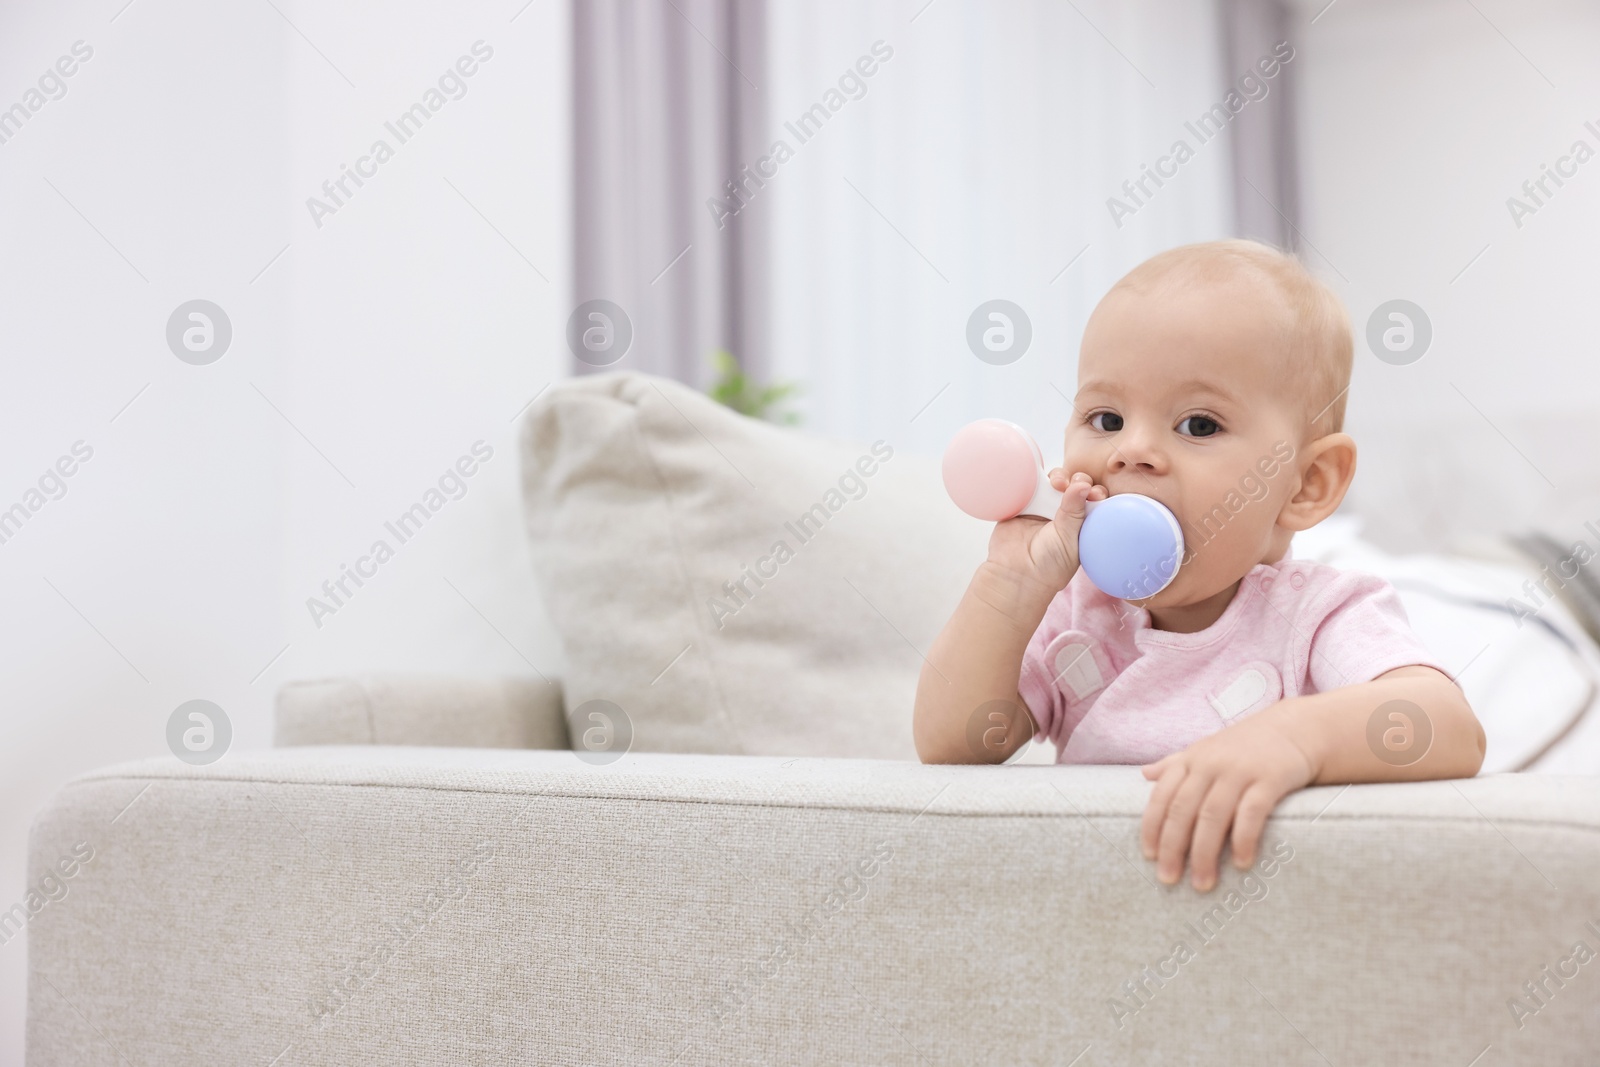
x,y
1075,665
1240,694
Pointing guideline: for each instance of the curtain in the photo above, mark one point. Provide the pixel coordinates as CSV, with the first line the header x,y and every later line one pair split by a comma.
x,y
668,106
1266,186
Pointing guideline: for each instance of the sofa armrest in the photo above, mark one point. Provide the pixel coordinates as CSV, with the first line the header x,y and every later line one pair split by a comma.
x,y
379,905
407,709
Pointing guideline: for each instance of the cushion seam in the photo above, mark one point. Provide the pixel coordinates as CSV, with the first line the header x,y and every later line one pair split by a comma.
x,y
1129,816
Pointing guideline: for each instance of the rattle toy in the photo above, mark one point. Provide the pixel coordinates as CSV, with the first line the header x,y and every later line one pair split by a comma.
x,y
1129,545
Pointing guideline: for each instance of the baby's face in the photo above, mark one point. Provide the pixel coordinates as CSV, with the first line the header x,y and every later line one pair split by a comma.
x,y
1182,397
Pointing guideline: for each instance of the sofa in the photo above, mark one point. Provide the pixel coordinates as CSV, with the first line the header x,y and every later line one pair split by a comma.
x,y
709,840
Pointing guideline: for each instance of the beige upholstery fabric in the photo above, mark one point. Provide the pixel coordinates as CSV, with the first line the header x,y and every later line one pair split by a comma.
x,y
378,906
420,709
645,500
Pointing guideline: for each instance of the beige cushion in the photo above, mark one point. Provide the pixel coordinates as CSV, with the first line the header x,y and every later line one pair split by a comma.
x,y
645,498
421,709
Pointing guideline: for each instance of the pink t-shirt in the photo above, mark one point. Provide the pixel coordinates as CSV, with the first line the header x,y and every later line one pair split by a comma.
x,y
1106,688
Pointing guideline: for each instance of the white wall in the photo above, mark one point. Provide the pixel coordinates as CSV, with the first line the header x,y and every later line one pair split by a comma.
x,y
1419,120
423,326
393,337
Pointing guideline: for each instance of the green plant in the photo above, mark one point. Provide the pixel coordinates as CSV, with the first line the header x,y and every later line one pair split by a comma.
x,y
734,389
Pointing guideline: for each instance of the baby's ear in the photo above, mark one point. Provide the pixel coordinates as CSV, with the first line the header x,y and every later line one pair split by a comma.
x,y
1328,467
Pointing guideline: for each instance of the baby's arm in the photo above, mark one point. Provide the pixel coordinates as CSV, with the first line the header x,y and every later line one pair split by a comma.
x,y
977,657
1237,776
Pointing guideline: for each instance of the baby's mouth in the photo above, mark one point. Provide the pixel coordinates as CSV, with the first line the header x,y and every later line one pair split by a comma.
x,y
1141,488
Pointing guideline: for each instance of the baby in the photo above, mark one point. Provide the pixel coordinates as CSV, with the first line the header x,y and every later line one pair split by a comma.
x,y
1212,378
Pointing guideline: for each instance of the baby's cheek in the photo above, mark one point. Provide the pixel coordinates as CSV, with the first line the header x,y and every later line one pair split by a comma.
x,y
1255,490
1223,541
1082,457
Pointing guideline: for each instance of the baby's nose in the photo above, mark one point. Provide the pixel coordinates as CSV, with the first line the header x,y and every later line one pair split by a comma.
x,y
1136,452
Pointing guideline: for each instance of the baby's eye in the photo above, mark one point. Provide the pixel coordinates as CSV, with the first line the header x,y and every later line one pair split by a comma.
x,y
1106,421
1198,426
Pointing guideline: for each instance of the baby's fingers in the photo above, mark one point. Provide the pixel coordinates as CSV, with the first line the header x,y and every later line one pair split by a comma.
x,y
1250,821
1074,491
1155,811
1211,830
1155,770
1179,827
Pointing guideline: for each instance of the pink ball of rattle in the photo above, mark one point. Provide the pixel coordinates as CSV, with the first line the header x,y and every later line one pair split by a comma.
x,y
994,471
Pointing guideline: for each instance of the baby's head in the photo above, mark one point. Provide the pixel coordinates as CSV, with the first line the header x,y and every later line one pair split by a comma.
x,y
1212,377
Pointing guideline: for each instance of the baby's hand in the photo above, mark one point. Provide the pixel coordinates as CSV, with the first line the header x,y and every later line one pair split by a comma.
x,y
1233,777
1047,552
